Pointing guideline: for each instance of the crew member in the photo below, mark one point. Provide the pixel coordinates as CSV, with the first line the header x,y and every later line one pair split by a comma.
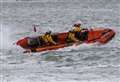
x,y
47,38
77,26
71,36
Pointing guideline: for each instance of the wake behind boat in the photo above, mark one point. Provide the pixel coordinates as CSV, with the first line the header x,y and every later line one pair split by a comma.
x,y
35,44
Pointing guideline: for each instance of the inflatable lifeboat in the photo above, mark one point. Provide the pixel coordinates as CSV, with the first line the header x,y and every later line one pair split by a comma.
x,y
34,44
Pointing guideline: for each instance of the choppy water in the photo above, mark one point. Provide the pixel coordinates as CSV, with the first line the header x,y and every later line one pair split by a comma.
x,y
84,63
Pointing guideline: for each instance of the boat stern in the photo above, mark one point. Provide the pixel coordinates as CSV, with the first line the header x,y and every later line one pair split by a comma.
x,y
107,35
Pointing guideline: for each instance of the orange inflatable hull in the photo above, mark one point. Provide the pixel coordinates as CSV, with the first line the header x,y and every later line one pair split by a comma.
x,y
101,35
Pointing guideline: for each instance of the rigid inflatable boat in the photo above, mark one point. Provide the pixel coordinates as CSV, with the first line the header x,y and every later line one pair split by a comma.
x,y
34,44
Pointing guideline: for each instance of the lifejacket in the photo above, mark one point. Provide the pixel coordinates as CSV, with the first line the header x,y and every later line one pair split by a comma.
x,y
77,29
47,38
71,37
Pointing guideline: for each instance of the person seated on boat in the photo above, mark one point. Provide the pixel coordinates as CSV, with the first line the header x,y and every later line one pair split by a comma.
x,y
79,31
47,38
71,36
77,26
